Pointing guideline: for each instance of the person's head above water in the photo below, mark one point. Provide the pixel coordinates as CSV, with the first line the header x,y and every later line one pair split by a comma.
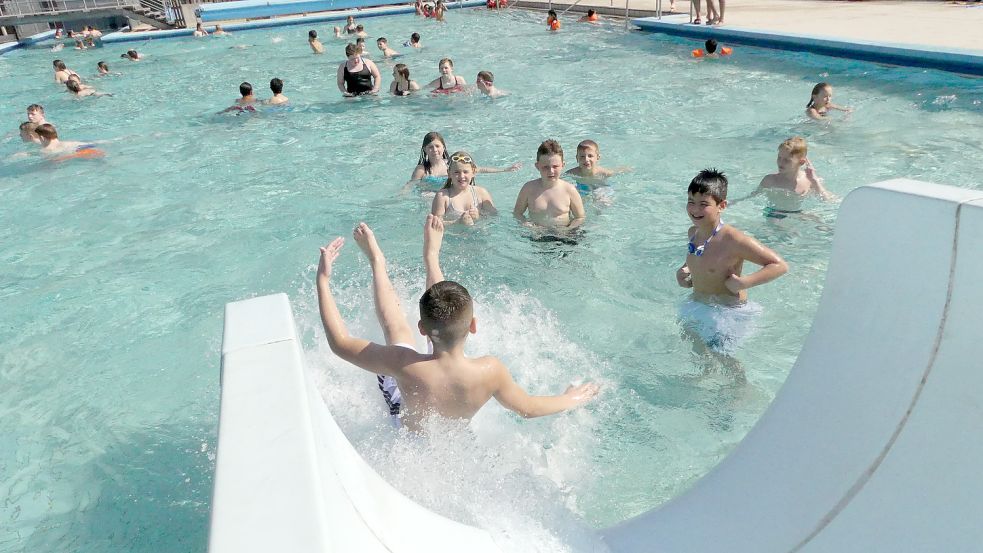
x,y
551,14
381,42
549,160
103,68
710,45
28,132
402,70
55,64
359,28
461,168
434,147
822,93
709,182
47,133
73,85
446,66
792,153
246,89
415,38
591,13
60,65
276,85
446,314
35,113
351,50
350,20
312,34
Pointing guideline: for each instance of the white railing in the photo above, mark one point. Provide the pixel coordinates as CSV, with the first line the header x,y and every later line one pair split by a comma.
x,y
19,8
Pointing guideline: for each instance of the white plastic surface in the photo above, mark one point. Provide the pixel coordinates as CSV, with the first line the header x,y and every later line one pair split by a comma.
x,y
873,443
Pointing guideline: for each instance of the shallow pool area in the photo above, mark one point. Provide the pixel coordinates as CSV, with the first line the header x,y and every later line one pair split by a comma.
x,y
116,270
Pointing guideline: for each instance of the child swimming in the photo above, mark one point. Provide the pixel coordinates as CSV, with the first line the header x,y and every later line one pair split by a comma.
x,y
314,43
461,200
445,382
820,102
589,176
485,83
276,86
60,150
387,52
795,180
431,169
402,85
591,17
414,41
447,82
552,21
717,313
550,201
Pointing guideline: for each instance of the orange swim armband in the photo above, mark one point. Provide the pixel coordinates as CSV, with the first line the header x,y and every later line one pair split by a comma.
x,y
726,51
82,153
698,53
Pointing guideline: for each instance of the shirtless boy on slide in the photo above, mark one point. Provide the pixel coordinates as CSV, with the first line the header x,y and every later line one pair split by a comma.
x,y
445,382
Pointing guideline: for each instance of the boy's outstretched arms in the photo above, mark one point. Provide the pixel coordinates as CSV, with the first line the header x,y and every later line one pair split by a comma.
x,y
433,236
514,398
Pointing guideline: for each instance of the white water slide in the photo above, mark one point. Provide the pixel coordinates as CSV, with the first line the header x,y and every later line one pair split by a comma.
x,y
874,443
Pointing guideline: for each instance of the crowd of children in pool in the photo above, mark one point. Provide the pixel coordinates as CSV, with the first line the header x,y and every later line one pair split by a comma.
x,y
444,381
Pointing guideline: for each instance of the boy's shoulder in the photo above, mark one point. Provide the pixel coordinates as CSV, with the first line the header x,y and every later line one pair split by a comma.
x,y
575,171
771,180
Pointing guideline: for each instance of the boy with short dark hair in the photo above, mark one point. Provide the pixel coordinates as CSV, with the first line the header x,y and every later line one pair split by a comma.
x,y
551,201
444,382
383,45
718,312
414,41
35,114
313,41
276,85
486,85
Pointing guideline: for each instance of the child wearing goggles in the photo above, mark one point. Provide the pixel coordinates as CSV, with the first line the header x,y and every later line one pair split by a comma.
x,y
461,200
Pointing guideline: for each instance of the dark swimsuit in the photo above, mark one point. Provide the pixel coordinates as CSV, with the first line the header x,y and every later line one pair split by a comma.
x,y
360,82
774,213
401,92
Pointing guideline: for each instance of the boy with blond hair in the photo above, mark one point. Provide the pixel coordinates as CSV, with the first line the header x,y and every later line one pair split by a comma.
x,y
718,312
589,175
795,180
444,382
550,201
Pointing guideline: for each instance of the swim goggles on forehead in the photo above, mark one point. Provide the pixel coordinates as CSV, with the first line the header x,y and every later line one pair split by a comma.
x,y
461,158
698,250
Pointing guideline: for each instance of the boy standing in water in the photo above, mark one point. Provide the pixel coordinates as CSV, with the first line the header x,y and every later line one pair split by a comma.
x,y
796,178
276,86
551,201
313,41
445,382
718,312
589,175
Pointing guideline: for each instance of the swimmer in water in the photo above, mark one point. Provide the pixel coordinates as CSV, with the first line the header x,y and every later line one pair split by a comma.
x,y
591,17
387,52
357,76
431,169
461,200
821,102
246,101
199,31
102,68
28,133
337,33
402,85
80,90
52,147
131,55
485,83
589,176
795,180
550,201
350,26
445,382
439,9
360,32
35,114
276,85
414,41
219,31
447,82
62,73
314,43
552,21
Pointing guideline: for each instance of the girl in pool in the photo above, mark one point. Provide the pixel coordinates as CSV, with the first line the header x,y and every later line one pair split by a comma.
x,y
820,103
350,27
402,85
461,200
447,82
431,170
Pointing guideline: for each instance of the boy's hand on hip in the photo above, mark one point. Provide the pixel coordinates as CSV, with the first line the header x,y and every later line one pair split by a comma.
x,y
735,283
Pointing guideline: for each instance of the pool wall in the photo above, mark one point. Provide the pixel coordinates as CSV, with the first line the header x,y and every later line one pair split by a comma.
x,y
870,445
968,62
284,21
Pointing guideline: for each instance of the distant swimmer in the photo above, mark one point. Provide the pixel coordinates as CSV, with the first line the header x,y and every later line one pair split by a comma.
x,y
80,90
350,26
360,43
550,201
92,36
199,31
131,55
591,17
219,31
62,73
439,9
486,85
402,85
446,382
711,50
431,169
821,102
447,82
461,200
246,101
590,178
357,76
29,133
103,68
276,85
414,41
35,114
60,150
387,52
337,33
360,32
314,43
552,21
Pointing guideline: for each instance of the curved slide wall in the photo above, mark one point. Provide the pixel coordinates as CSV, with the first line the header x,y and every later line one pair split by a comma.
x,y
873,443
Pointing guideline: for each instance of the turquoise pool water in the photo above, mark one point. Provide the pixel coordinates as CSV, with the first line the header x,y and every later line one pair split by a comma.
x,y
116,271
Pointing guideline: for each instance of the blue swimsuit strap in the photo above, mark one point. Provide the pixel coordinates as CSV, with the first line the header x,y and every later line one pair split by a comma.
x,y
698,250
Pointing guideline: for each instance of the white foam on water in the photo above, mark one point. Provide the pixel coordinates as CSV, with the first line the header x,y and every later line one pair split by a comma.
x,y
518,479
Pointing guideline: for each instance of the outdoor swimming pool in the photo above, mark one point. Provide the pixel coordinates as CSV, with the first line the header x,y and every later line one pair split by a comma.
x,y
116,270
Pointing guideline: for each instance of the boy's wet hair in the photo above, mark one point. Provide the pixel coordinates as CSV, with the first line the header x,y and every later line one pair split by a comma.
x,y
796,146
710,45
486,76
55,63
276,85
590,13
60,65
816,90
446,310
312,34
425,161
103,65
133,53
381,39
584,144
245,89
46,131
709,181
29,129
35,107
351,49
74,86
415,37
403,70
551,13
360,41
359,28
549,147
460,156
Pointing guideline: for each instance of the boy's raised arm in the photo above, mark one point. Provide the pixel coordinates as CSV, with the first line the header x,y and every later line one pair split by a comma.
x,y
433,236
772,265
511,396
357,351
